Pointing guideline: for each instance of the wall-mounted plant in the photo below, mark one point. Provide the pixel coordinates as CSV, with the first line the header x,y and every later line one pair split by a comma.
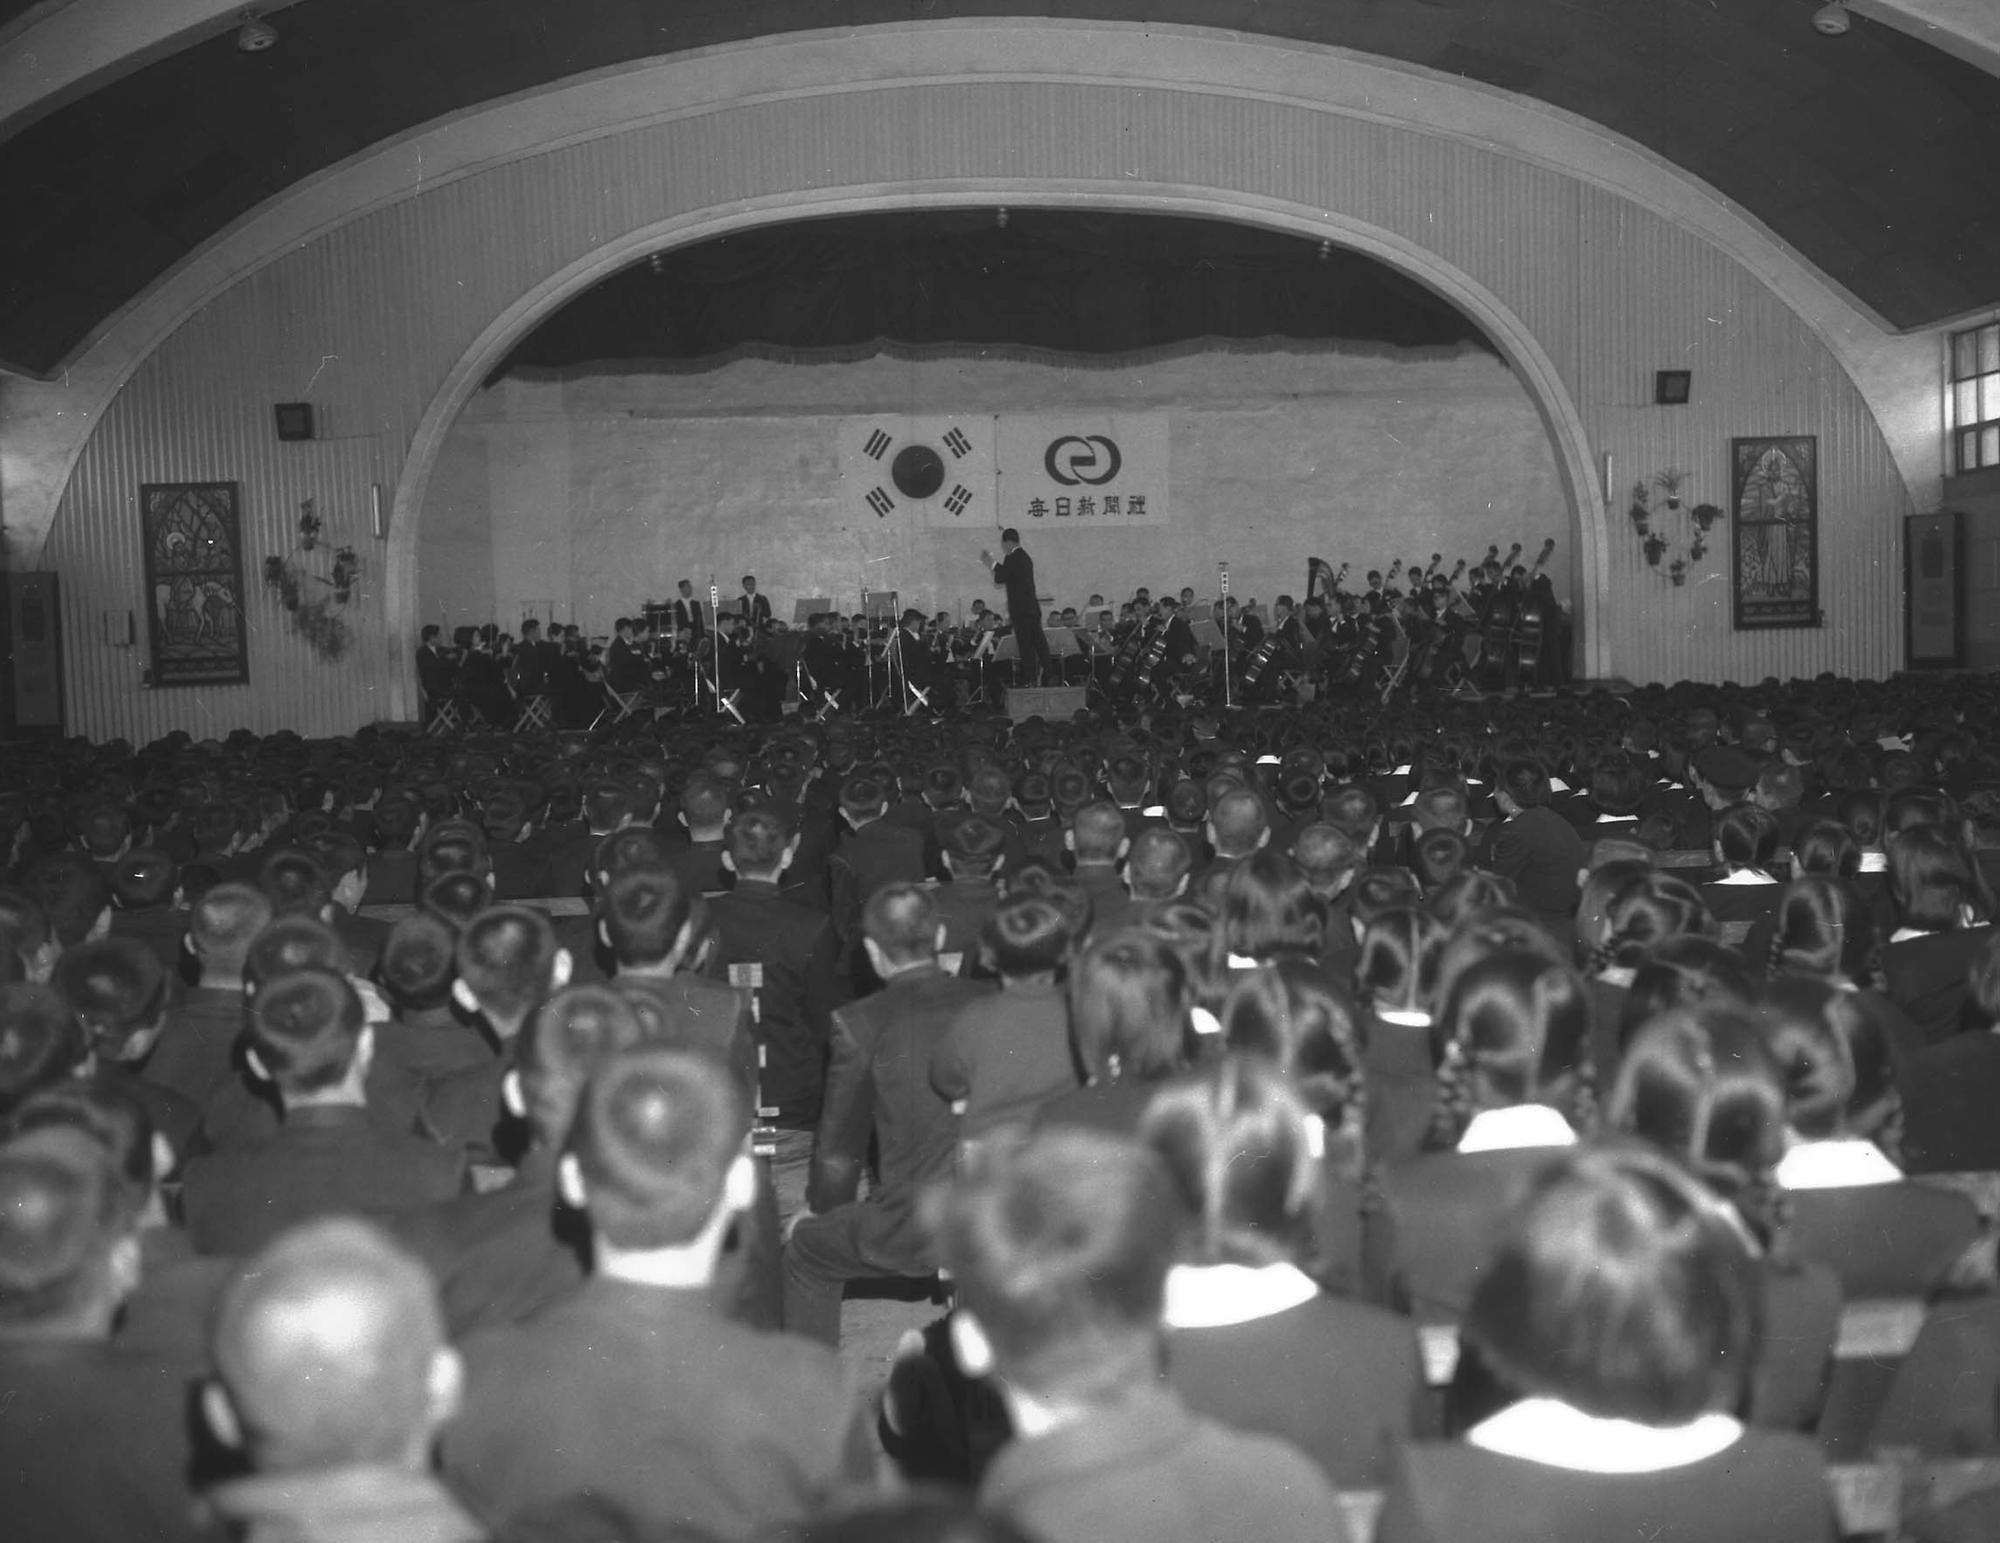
x,y
1677,570
1704,516
310,582
1641,511
1670,482
1656,548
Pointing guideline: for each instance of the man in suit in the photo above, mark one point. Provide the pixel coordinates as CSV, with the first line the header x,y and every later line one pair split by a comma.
x,y
797,956
193,1055
118,992
688,613
308,1038
756,608
878,1085
437,676
1534,846
1097,839
334,1378
759,1429
502,1255
1015,573
871,853
79,1407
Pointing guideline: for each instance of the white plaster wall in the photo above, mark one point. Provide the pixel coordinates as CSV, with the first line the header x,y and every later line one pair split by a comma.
x,y
592,493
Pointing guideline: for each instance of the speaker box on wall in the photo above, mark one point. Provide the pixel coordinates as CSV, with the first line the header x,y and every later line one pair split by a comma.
x,y
1672,388
295,420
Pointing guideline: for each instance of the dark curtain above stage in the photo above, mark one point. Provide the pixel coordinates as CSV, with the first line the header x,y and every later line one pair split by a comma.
x,y
1051,280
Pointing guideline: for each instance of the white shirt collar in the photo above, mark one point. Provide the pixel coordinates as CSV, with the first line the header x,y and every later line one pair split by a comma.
x,y
1747,876
1559,1435
1617,819
1874,862
1521,1125
1557,785
1406,1017
1243,962
1209,1296
1839,1164
1904,934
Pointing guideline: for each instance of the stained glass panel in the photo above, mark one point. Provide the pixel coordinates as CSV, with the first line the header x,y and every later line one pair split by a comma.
x,y
194,584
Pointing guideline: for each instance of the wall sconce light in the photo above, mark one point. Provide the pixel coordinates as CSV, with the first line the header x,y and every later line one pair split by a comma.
x,y
1831,19
378,525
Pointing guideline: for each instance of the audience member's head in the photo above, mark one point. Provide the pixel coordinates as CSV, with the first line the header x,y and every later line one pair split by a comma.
x,y
508,963
330,1354
308,1036
569,1036
118,991
419,963
1128,1008
1059,1251
1026,938
900,928
1623,1290
69,1254
659,1153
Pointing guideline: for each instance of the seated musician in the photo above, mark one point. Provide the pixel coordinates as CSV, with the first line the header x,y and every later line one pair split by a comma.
x,y
483,682
1183,653
436,673
625,666
530,675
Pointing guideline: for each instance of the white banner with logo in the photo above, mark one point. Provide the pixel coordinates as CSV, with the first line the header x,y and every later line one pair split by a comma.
x,y
936,471
1082,470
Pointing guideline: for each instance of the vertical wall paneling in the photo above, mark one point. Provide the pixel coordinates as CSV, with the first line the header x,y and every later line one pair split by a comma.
x,y
370,318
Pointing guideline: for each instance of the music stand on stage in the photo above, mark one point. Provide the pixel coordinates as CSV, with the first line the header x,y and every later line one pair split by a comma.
x,y
803,611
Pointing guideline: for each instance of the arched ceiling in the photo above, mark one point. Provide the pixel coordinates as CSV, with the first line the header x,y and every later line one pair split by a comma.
x,y
1870,154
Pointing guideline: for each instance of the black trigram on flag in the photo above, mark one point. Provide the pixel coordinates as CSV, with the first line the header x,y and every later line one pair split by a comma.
x,y
880,501
878,445
960,447
959,497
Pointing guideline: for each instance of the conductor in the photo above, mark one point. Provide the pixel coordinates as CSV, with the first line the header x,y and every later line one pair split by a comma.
x,y
1015,573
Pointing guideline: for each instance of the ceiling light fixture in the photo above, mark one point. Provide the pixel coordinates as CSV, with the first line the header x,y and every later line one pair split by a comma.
x,y
254,36
1831,18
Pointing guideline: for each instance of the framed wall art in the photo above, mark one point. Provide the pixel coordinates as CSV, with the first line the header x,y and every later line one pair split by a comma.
x,y
1774,506
194,583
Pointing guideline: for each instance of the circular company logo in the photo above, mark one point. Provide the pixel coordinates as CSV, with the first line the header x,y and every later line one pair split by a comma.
x,y
1074,459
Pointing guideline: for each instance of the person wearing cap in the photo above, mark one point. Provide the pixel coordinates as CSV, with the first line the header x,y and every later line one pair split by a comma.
x,y
639,1391
78,1409
333,1378
308,1038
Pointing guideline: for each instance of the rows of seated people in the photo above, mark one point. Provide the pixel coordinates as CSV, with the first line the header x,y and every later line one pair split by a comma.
x,y
1504,1112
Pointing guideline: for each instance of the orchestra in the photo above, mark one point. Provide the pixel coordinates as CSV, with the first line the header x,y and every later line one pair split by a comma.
x,y
1489,625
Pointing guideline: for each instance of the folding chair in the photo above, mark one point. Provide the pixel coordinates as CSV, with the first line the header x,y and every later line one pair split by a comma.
x,y
727,704
749,976
442,717
618,706
917,699
537,712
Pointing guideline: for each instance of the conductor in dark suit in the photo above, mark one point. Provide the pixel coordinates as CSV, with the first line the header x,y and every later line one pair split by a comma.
x,y
435,673
1015,573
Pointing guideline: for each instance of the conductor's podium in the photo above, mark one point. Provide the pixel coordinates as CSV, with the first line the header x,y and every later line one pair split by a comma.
x,y
1047,702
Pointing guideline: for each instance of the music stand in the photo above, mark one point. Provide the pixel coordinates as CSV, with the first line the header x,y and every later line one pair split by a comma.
x,y
1200,612
1207,634
881,604
803,611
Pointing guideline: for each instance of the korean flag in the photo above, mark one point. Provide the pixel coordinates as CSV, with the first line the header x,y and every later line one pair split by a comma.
x,y
922,471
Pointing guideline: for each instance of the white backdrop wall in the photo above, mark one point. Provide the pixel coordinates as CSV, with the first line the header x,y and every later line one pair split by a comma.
x,y
386,317
588,493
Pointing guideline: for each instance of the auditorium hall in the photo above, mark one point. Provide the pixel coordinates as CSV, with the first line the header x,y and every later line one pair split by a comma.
x,y
830,770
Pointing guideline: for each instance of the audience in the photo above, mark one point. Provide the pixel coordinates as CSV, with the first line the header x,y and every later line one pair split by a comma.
x,y
1219,1080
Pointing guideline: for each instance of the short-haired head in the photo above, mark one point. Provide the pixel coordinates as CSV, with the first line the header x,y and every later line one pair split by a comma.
x,y
305,1029
65,1215
144,879
295,883
508,962
1158,865
973,843
330,1350
1097,833
118,991
419,962
758,844
654,1141
901,920
1328,856
1026,936
568,1037
41,1042
73,895
1438,857
649,915
1240,822
1059,1251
